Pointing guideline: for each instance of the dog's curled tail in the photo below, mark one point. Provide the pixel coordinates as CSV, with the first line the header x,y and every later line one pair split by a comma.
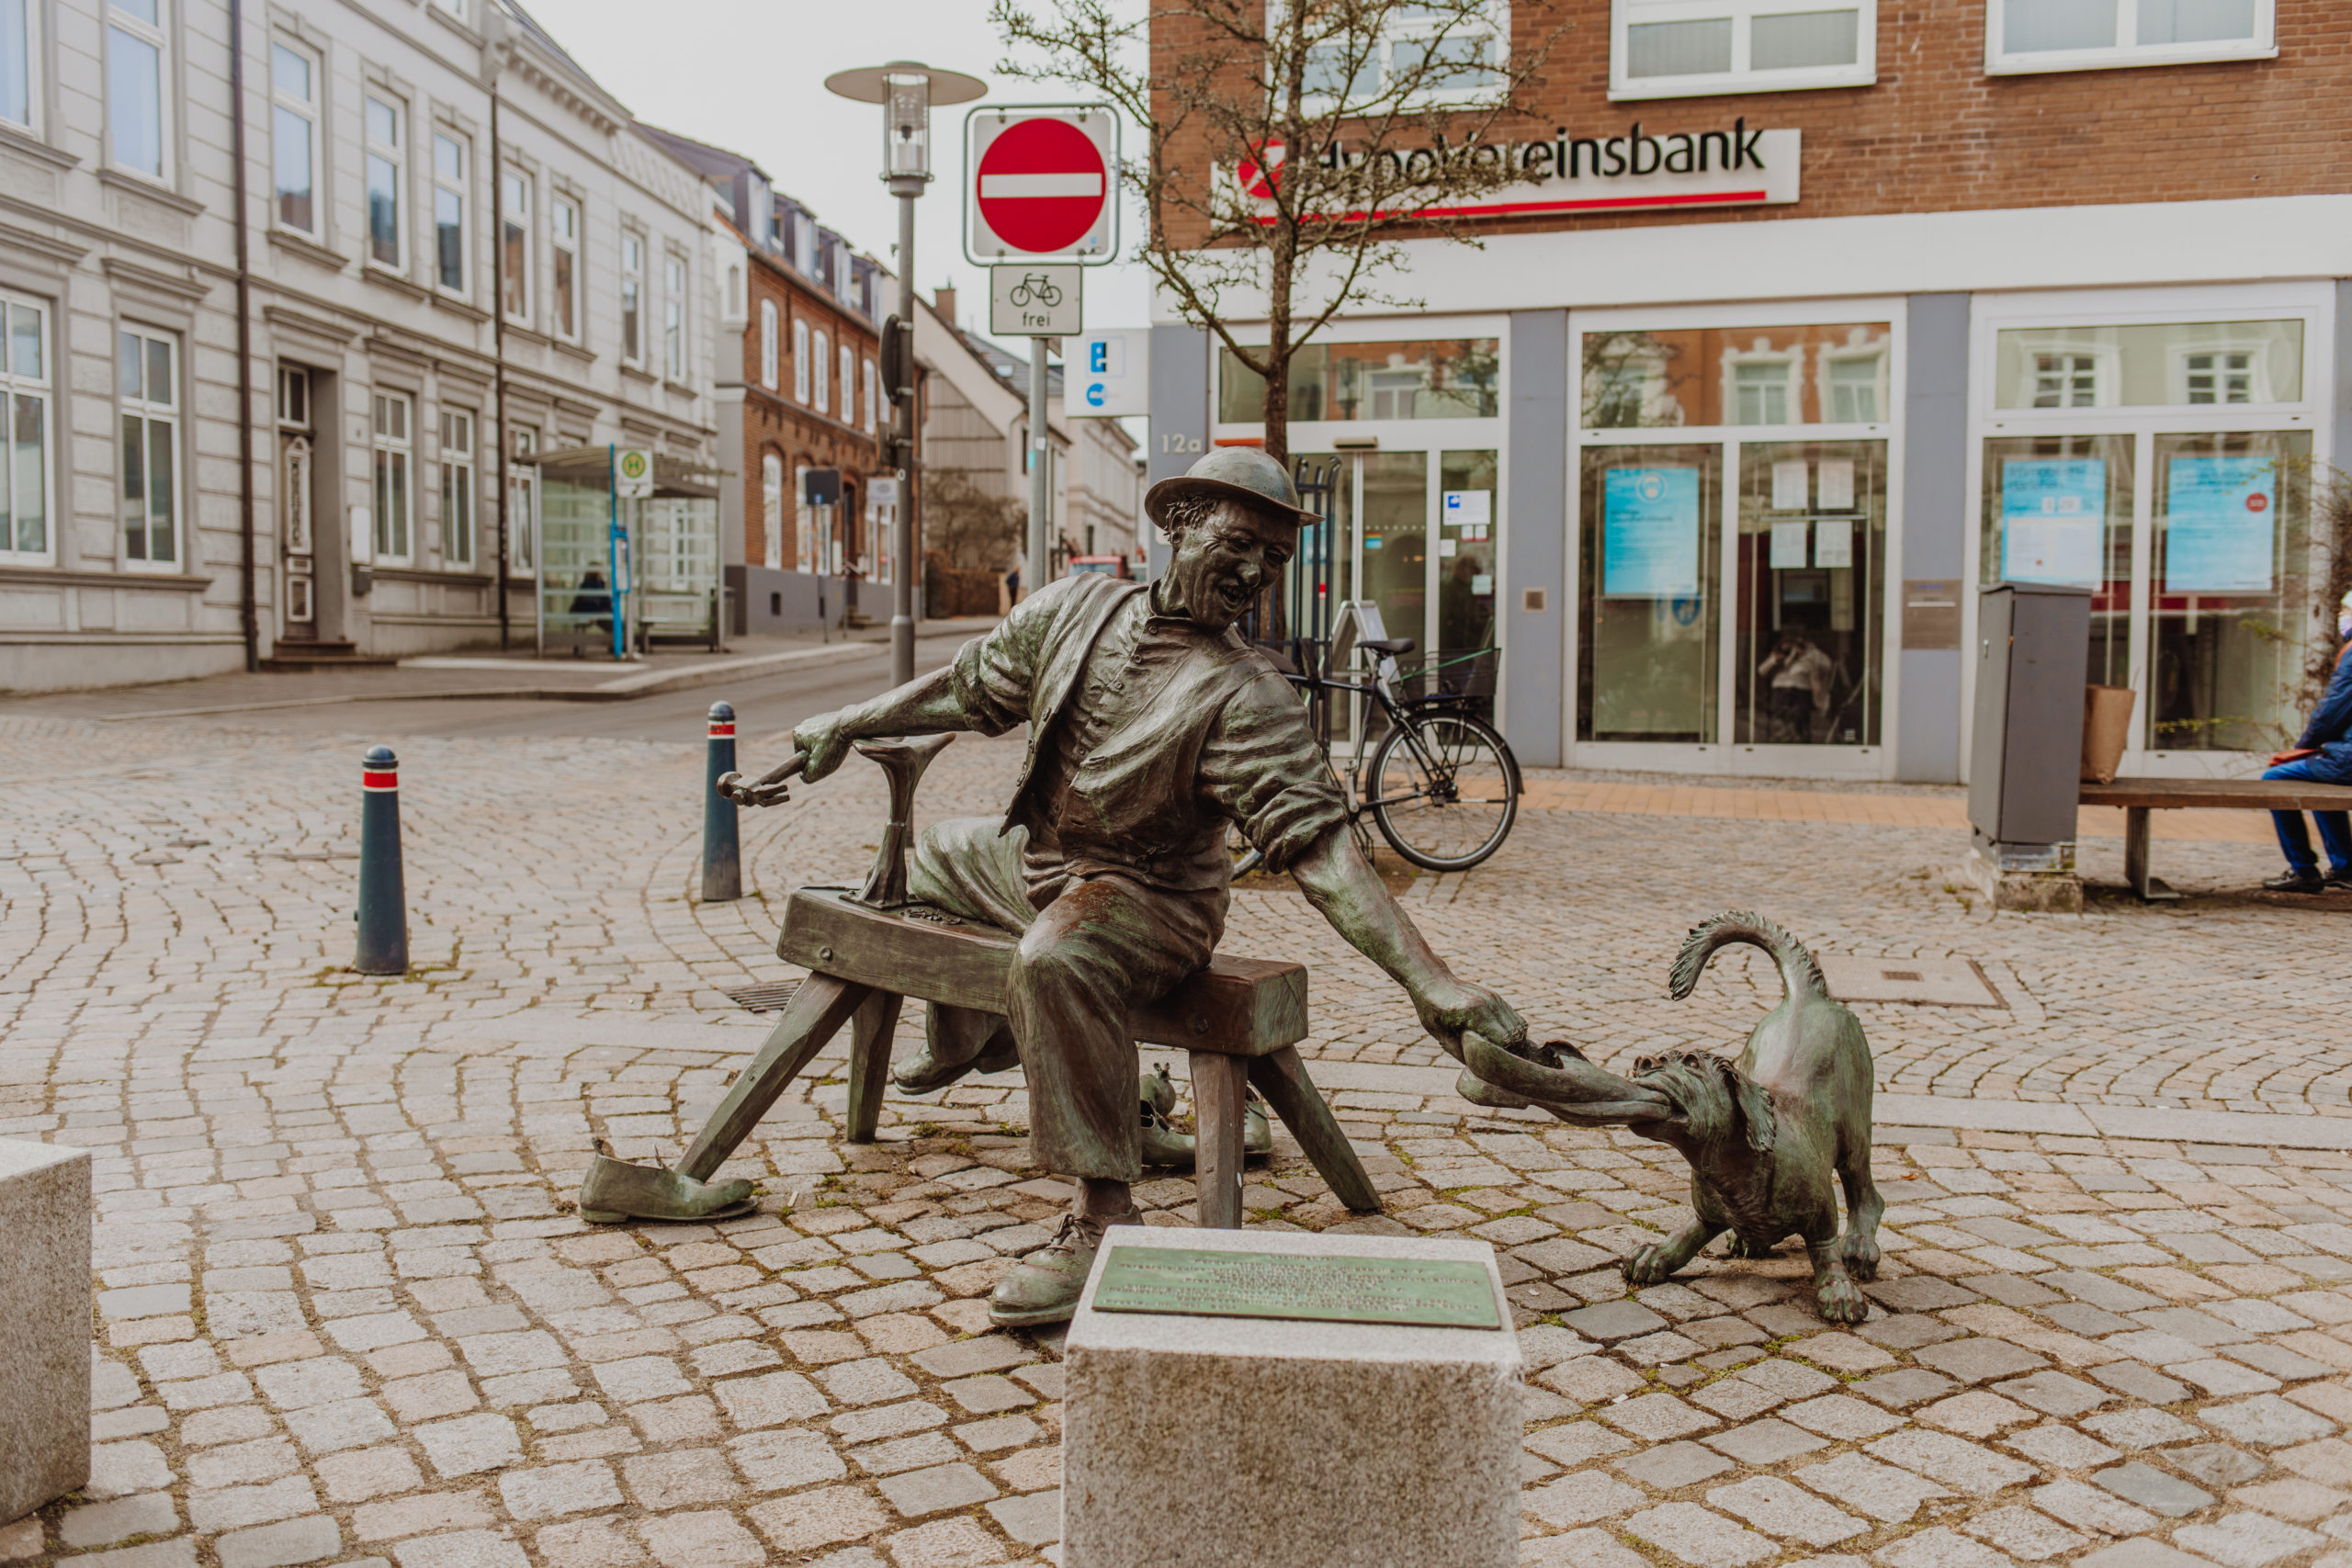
x,y
1800,975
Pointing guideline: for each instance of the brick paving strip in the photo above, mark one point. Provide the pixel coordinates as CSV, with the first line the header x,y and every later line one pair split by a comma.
x,y
345,1315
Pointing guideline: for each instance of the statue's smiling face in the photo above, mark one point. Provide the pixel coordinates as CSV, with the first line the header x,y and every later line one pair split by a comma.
x,y
1221,561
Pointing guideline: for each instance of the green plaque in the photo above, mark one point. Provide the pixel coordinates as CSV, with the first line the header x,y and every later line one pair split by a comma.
x,y
1195,1282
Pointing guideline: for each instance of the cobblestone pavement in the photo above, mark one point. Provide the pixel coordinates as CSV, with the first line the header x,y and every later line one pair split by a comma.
x,y
345,1315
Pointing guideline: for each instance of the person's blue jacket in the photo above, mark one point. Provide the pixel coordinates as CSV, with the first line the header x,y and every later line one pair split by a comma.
x,y
2330,730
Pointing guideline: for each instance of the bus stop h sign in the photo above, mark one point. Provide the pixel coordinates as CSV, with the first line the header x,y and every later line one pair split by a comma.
x,y
1041,184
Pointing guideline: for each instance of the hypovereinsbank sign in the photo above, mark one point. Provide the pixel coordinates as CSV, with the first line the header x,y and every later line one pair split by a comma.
x,y
1636,170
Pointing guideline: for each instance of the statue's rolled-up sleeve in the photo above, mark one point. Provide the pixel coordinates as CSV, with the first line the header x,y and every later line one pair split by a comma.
x,y
995,673
1262,766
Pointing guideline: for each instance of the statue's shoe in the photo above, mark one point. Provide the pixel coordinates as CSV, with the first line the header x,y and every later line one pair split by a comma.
x,y
1479,1091
1164,1145
924,1072
1044,1286
615,1190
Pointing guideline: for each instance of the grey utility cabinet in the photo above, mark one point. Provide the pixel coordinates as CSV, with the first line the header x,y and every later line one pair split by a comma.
x,y
2026,752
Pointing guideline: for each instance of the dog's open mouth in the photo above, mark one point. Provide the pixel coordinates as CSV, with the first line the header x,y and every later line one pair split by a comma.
x,y
1558,1078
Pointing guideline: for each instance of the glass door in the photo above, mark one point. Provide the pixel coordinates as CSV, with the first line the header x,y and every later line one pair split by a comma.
x,y
1809,633
1649,615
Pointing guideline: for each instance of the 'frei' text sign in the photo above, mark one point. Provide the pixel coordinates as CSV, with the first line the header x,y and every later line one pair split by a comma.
x,y
1108,373
1036,299
1640,168
1041,184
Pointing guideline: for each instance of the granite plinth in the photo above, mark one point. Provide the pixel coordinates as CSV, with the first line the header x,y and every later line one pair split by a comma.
x,y
1200,1442
45,1302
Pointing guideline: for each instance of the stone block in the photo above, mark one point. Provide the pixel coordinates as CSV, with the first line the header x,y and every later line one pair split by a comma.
x,y
45,1299
1213,1440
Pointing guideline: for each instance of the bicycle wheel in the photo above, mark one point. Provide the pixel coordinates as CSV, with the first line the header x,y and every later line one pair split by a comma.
x,y
1450,804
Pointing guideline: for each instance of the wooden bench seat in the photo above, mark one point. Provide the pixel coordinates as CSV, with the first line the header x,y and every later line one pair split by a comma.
x,y
1240,1020
2139,796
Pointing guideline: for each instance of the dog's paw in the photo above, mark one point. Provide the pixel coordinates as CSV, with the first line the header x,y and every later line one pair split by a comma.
x,y
1861,1257
1647,1265
1742,1248
1841,1299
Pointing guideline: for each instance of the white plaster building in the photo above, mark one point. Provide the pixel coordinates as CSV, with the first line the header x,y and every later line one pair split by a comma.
x,y
457,247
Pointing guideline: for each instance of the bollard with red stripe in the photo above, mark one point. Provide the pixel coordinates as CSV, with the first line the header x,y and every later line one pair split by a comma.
x,y
383,902
722,869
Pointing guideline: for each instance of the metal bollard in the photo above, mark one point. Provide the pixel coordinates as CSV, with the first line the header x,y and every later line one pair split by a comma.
x,y
383,902
723,864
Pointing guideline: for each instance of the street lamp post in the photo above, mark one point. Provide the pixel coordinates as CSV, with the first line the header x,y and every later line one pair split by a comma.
x,y
906,90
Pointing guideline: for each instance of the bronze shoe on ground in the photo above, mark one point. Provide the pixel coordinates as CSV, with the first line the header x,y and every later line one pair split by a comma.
x,y
613,1191
1044,1286
950,1052
1162,1145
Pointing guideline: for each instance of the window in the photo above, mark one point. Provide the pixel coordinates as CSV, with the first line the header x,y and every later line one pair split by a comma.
x,y
24,422
632,298
458,521
873,399
673,318
522,504
394,493
1440,53
1443,379
454,8
1857,389
137,73
768,367
19,55
564,234
451,161
1671,48
385,161
294,135
734,291
1829,373
772,510
514,243
147,370
2156,364
1760,390
818,357
2086,35
849,385
800,361
804,555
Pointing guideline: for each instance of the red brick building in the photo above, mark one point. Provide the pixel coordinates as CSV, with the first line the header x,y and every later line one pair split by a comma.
x,y
803,396
1809,320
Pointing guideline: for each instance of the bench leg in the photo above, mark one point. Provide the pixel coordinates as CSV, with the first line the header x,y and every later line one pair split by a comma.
x,y
869,1062
1281,1077
2137,834
1218,1082
814,1015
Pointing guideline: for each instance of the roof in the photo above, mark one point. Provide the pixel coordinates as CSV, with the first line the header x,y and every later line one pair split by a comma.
x,y
711,162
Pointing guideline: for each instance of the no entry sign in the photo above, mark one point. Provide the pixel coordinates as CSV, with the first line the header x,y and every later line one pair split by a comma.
x,y
1041,184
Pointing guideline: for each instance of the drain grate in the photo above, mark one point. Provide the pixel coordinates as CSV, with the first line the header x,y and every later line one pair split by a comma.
x,y
764,998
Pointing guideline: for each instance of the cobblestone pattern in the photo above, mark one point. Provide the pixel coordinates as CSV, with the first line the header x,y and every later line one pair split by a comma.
x,y
345,1314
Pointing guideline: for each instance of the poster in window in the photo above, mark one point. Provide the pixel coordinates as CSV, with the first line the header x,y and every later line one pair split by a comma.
x,y
1788,545
1833,542
2053,519
1837,484
2220,525
1792,485
1649,534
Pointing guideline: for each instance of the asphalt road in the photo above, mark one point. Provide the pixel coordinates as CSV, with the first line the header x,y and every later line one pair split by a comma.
x,y
767,707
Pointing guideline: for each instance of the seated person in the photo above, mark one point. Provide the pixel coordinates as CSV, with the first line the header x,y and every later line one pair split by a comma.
x,y
2323,754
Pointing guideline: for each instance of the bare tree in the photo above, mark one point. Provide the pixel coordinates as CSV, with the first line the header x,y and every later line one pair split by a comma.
x,y
1291,144
976,531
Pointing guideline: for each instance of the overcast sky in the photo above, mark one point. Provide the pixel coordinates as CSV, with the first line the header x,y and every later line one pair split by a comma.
x,y
749,75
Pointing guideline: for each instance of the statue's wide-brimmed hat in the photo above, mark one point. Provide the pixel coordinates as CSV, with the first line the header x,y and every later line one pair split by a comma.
x,y
1243,474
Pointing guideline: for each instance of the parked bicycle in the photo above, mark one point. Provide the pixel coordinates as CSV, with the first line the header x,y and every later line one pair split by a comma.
x,y
1441,784
1035,287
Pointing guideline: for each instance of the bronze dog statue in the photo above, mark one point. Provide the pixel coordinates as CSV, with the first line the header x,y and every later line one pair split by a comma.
x,y
1764,1135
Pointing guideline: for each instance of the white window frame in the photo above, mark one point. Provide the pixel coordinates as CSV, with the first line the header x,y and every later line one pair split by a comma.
x,y
2127,51
1832,359
395,153
523,506
2257,373
462,188
1625,15
395,540
770,367
1402,28
820,361
31,56
152,411
461,488
872,397
632,297
516,284
804,516
156,35
675,346
847,353
1739,359
800,393
564,303
19,388
283,106
772,510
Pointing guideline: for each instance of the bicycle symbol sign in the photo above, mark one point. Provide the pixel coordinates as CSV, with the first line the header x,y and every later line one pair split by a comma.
x,y
1036,299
